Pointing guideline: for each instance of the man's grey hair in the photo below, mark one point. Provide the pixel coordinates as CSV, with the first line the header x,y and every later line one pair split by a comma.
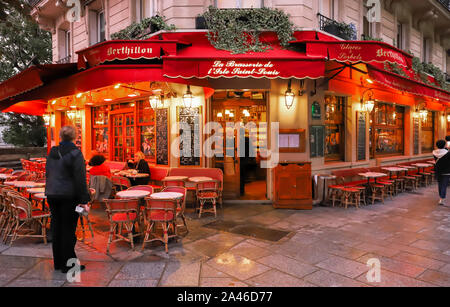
x,y
67,133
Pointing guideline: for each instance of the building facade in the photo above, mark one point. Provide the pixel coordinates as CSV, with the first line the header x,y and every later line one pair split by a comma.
x,y
345,113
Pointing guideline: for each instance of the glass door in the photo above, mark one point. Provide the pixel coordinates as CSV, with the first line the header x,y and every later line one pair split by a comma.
x,y
123,137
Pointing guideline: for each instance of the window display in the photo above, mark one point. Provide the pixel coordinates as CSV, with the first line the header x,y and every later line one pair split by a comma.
x,y
386,130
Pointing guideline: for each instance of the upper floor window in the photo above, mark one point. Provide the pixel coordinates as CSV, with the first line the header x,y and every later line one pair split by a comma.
x,y
97,27
145,9
226,4
67,42
426,50
400,43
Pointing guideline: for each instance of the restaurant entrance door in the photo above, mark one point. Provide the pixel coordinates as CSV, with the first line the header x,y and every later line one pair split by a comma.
x,y
243,176
123,128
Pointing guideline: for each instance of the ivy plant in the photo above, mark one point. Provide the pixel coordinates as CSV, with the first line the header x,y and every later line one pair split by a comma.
x,y
141,29
370,38
238,30
422,69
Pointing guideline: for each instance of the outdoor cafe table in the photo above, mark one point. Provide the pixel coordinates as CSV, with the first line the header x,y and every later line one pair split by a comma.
x,y
370,175
28,184
133,194
10,183
394,170
166,195
175,178
422,166
199,179
35,190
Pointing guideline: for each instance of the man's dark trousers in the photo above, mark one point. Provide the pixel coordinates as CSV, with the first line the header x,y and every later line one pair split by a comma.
x,y
64,222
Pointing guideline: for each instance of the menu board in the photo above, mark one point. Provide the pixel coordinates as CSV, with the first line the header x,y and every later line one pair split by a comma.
x,y
317,140
162,137
361,136
190,117
416,135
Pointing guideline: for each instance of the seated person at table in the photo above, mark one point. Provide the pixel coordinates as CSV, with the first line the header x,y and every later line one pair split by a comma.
x,y
142,166
99,168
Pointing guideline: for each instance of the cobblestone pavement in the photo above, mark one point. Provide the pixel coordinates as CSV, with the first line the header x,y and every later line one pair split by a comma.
x,y
409,234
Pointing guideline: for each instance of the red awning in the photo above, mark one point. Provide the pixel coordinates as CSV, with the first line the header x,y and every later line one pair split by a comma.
x,y
202,60
34,107
403,84
356,51
113,50
97,77
32,78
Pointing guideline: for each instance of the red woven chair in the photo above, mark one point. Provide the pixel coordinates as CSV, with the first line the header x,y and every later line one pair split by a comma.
x,y
24,215
122,213
208,192
121,183
173,183
181,207
163,212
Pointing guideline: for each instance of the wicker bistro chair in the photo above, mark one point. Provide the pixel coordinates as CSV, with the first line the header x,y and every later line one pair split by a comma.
x,y
350,196
207,191
163,212
24,215
6,216
122,213
120,183
181,207
173,183
378,192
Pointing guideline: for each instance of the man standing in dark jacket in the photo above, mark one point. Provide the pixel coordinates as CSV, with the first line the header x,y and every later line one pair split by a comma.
x,y
65,188
442,169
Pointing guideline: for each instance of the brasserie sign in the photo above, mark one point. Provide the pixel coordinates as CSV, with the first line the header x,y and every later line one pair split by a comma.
x,y
236,68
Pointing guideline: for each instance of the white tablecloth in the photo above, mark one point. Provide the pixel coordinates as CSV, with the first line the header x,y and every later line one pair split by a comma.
x,y
28,184
166,195
176,178
35,190
40,195
199,179
133,194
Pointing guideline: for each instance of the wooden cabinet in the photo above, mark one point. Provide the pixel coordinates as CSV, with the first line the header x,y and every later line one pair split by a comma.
x,y
292,185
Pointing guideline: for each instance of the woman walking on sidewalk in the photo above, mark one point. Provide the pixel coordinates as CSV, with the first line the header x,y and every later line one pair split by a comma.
x,y
442,169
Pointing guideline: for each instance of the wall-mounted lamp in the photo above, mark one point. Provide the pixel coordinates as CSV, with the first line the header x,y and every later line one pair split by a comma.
x,y
156,102
46,118
421,112
188,98
289,97
369,104
71,114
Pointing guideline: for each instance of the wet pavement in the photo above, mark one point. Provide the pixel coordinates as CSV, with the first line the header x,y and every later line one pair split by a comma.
x,y
256,245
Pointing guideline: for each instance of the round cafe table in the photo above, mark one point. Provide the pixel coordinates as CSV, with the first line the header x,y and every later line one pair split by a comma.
x,y
35,190
132,194
370,175
29,184
175,178
166,195
199,179
422,166
10,183
394,170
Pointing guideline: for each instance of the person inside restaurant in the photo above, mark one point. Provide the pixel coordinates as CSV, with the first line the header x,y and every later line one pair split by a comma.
x,y
98,166
141,166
